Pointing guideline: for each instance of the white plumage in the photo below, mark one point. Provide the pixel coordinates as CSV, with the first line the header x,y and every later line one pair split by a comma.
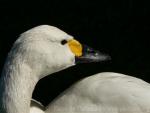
x,y
36,107
104,93
35,54
39,52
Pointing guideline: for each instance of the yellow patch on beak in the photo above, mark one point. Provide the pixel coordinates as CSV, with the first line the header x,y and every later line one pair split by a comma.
x,y
75,47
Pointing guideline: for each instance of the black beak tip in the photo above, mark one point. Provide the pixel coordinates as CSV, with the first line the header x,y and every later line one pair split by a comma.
x,y
89,58
91,55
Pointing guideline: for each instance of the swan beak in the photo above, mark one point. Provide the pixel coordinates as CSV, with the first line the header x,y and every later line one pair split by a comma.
x,y
91,55
85,54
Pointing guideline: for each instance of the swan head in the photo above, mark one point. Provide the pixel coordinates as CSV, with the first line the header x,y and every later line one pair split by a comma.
x,y
47,49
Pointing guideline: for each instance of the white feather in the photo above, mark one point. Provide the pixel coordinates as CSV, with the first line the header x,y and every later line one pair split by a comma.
x,y
104,93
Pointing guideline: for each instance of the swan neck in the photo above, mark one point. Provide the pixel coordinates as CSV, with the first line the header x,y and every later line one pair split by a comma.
x,y
17,83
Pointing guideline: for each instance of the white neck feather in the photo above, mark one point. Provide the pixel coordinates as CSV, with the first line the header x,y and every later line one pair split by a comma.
x,y
16,86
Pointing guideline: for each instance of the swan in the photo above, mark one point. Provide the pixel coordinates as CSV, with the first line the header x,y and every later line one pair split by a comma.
x,y
38,52
45,50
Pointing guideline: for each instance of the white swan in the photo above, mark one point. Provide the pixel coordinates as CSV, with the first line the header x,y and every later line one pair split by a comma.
x,y
37,53
44,50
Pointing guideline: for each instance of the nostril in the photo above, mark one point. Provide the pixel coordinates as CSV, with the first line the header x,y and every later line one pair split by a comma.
x,y
89,50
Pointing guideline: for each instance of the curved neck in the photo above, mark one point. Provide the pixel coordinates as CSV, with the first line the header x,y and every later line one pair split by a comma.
x,y
16,86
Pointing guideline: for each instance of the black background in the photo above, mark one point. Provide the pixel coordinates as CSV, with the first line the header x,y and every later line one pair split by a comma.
x,y
118,28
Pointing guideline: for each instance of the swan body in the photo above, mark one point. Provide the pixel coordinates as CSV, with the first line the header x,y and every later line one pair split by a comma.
x,y
104,93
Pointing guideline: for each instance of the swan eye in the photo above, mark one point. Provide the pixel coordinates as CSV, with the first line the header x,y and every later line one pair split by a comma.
x,y
63,42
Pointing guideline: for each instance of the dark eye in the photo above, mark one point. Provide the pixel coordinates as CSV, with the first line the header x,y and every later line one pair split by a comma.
x,y
63,42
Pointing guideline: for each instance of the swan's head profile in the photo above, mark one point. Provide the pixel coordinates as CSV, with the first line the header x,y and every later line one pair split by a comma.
x,y
47,49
